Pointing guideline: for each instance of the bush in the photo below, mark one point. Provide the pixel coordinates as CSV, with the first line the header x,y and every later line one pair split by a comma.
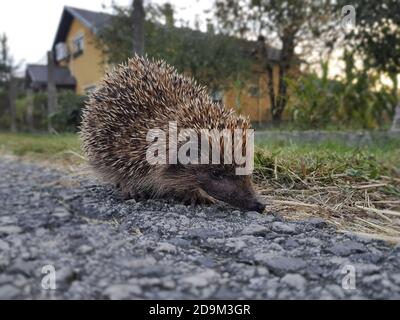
x,y
352,103
4,114
68,116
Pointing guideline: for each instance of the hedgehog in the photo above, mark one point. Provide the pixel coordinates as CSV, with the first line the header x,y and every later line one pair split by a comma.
x,y
143,94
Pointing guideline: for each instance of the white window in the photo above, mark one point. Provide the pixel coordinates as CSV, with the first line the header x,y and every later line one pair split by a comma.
x,y
79,43
61,51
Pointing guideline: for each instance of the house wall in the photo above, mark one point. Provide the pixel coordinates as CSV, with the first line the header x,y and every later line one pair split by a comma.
x,y
257,107
88,68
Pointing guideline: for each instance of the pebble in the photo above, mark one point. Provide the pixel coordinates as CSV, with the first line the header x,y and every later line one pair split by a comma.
x,y
281,227
8,230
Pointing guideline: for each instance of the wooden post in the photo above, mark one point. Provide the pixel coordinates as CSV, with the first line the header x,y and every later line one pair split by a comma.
x,y
30,110
138,27
396,120
51,90
12,96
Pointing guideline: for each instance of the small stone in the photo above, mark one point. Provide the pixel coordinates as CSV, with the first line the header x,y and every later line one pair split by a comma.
x,y
4,220
4,246
268,218
280,263
203,233
281,227
253,214
372,279
26,268
84,249
295,281
65,276
139,263
8,230
166,247
396,278
201,279
8,292
335,290
346,248
317,222
255,230
122,291
61,212
235,244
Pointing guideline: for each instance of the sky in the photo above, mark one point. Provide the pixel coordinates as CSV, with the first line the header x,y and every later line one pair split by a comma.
x,y
31,24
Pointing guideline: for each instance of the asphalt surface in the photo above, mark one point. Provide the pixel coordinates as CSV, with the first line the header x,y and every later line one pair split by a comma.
x,y
101,247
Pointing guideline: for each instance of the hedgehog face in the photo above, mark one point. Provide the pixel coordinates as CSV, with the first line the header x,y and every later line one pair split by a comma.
x,y
221,183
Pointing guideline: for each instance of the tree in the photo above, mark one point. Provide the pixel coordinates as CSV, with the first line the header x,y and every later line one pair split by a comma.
x,y
138,27
215,60
376,37
7,78
290,23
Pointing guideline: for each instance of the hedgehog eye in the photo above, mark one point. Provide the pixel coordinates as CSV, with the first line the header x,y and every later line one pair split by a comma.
x,y
216,174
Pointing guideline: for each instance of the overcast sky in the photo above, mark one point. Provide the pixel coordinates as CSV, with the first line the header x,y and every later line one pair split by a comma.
x,y
31,24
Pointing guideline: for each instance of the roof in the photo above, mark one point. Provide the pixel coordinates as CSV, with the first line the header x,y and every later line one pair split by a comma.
x,y
95,21
38,75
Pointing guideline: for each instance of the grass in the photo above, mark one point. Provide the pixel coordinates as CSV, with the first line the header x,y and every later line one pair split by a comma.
x,y
355,189
61,149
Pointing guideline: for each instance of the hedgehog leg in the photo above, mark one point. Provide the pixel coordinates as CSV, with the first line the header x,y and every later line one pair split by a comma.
x,y
198,196
129,193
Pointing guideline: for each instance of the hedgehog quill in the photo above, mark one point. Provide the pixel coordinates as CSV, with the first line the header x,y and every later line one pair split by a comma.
x,y
128,119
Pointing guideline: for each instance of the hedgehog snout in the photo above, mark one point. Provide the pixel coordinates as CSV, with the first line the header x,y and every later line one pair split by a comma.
x,y
257,206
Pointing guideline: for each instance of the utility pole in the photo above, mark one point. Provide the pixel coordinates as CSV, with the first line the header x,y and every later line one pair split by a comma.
x,y
51,90
30,110
12,96
138,27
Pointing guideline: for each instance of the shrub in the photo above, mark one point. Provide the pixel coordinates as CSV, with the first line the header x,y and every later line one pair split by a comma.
x,y
68,116
358,101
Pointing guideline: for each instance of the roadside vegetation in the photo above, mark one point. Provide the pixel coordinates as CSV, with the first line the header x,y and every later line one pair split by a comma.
x,y
356,189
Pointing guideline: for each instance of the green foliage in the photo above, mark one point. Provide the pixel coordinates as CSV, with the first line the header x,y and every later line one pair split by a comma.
x,y
294,23
4,114
210,58
358,101
377,34
68,116
62,147
324,160
65,119
39,112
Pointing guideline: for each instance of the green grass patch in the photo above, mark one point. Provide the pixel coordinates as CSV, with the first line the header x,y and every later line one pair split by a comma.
x,y
327,159
41,146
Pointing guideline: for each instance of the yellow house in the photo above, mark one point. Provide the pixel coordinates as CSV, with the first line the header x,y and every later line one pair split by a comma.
x,y
75,47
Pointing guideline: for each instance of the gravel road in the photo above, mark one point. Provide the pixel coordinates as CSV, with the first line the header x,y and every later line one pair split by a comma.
x,y
104,248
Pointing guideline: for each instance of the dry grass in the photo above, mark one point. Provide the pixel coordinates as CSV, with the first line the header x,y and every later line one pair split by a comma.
x,y
356,190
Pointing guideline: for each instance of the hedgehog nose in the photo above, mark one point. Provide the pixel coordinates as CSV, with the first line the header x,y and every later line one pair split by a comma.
x,y
257,206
